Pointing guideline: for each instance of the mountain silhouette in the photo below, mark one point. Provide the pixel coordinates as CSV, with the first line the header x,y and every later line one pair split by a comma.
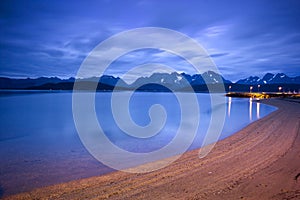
x,y
160,82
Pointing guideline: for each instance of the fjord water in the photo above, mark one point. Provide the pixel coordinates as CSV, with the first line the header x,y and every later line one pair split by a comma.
x,y
39,144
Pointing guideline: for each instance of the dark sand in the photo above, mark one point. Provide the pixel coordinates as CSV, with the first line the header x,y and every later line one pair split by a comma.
x,y
259,162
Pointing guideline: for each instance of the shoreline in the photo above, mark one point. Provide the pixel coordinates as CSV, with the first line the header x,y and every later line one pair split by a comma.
x,y
261,161
263,95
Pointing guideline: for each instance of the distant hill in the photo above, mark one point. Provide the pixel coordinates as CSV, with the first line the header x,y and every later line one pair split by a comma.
x,y
161,82
269,78
269,83
10,83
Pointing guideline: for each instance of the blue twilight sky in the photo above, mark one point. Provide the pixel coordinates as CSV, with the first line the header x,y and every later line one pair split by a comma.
x,y
52,37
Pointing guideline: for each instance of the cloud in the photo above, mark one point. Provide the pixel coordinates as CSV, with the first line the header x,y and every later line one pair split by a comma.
x,y
42,39
218,55
216,31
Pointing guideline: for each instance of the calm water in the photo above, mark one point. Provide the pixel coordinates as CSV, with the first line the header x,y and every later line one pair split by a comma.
x,y
39,144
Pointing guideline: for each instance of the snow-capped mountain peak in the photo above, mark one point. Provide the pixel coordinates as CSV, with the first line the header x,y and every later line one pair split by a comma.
x,y
268,79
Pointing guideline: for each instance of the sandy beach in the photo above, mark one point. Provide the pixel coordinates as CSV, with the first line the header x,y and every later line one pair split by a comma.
x,y
259,162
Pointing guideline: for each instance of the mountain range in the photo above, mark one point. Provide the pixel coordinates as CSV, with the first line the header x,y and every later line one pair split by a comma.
x,y
160,82
269,78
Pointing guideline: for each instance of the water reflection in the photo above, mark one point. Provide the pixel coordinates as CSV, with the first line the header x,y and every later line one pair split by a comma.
x,y
257,110
250,109
253,108
229,106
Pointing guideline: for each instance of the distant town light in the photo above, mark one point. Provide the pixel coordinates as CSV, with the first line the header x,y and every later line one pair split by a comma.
x,y
251,87
279,88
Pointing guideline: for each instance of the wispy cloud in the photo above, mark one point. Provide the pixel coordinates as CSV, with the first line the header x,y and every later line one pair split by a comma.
x,y
218,55
216,31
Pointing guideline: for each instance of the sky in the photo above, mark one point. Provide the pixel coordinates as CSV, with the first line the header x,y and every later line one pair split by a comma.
x,y
52,38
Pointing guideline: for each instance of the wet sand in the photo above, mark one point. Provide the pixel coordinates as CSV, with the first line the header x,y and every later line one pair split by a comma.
x,y
259,162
